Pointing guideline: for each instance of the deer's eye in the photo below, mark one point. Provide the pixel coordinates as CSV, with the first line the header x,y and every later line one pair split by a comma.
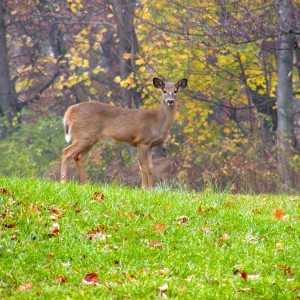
x,y
175,92
164,92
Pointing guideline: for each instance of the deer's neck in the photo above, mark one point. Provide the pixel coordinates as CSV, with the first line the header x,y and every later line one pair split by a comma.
x,y
166,115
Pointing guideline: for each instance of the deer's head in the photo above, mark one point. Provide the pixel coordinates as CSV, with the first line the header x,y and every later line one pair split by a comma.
x,y
169,90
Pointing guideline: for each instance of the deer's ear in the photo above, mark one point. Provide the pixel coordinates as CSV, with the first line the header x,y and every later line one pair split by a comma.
x,y
181,84
158,83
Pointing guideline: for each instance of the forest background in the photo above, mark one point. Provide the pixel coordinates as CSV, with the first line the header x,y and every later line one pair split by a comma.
x,y
237,124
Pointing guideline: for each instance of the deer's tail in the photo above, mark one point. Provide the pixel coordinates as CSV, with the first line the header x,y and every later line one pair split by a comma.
x,y
67,129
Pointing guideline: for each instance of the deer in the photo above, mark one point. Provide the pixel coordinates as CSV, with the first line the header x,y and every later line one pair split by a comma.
x,y
88,122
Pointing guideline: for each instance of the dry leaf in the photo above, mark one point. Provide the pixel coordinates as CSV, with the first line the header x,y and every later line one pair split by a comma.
x,y
156,244
3,191
225,236
278,214
98,196
126,214
90,278
279,246
60,279
253,276
200,211
206,229
25,286
127,55
162,291
10,225
243,275
54,230
98,233
56,213
182,219
159,227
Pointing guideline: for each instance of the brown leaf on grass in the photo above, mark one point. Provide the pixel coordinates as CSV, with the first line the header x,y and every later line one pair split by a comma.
x,y
200,211
50,255
228,204
279,246
163,290
156,244
223,240
243,275
285,269
206,229
61,279
131,276
53,230
182,220
98,196
3,191
25,286
127,215
56,213
159,227
90,278
278,213
99,233
10,225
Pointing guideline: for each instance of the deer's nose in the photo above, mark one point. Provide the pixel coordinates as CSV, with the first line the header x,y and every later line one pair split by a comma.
x,y
170,101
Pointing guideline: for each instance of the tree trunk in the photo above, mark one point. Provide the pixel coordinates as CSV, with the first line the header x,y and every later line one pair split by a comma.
x,y
6,104
285,129
124,13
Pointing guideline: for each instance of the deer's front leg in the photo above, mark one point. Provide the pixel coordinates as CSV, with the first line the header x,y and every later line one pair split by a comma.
x,y
142,151
150,169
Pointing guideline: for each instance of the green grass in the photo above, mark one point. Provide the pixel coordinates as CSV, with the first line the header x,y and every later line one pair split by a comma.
x,y
230,247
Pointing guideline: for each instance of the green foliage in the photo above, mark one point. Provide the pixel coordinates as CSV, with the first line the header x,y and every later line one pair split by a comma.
x,y
145,244
28,150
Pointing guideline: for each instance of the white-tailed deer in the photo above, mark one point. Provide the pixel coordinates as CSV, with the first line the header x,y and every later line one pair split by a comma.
x,y
88,122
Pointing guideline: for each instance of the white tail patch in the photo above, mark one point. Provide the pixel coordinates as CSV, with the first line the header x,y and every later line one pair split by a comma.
x,y
68,135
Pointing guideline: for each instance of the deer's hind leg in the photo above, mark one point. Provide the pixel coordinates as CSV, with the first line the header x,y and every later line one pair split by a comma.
x,y
76,151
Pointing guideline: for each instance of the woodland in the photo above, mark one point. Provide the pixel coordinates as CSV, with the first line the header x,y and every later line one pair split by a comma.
x,y
237,125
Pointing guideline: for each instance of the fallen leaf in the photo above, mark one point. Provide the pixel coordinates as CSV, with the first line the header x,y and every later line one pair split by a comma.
x,y
253,276
156,244
3,191
206,229
127,214
182,219
200,211
159,227
278,214
56,213
131,276
10,225
54,230
243,275
223,240
25,286
90,278
279,246
162,291
98,233
225,236
228,204
286,270
60,279
98,196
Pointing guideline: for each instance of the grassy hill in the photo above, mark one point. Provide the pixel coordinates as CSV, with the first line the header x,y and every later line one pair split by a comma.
x,y
69,241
